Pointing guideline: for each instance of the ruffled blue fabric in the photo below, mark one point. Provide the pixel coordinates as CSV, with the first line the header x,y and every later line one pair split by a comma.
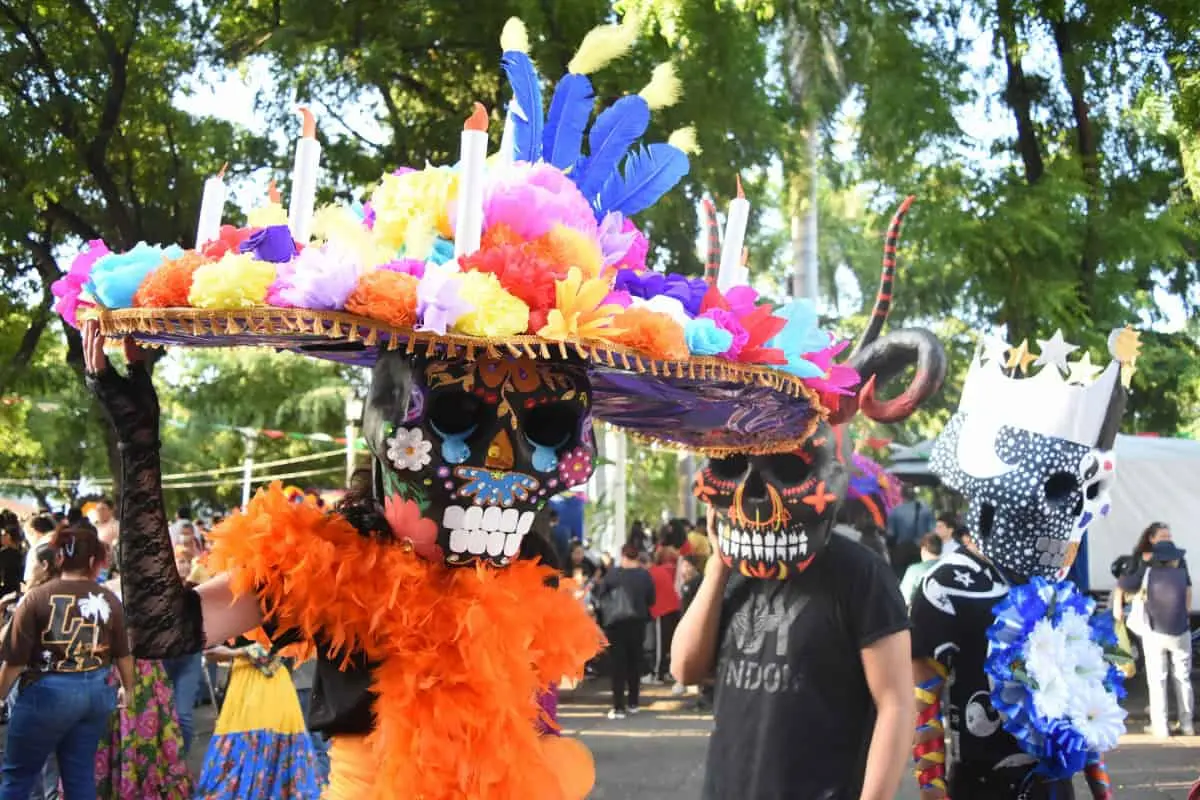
x,y
800,336
1060,748
259,765
115,278
704,338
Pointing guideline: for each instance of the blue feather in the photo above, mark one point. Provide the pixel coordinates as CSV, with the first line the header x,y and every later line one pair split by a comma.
x,y
611,136
527,91
570,110
650,172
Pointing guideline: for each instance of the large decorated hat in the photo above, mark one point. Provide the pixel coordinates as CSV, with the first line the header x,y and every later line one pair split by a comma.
x,y
872,486
531,252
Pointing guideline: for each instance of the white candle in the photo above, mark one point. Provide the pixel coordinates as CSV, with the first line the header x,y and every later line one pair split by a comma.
x,y
730,273
212,208
468,229
304,178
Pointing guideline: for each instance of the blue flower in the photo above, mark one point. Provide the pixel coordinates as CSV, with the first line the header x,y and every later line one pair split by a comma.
x,y
443,251
799,337
704,338
116,278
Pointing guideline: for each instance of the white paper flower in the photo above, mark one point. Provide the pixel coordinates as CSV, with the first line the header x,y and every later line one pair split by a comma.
x,y
1087,658
1052,697
664,305
1075,628
409,449
1097,716
95,608
1046,653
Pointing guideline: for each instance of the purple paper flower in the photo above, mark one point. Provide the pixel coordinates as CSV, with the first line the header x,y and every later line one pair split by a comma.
x,y
741,300
320,278
622,299
615,241
406,266
635,257
68,288
439,304
689,291
274,244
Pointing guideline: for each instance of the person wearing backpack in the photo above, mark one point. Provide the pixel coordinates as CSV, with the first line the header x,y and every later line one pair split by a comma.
x,y
1161,597
625,596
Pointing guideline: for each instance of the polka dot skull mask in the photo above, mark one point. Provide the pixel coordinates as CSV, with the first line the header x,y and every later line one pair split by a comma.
x,y
1031,496
478,445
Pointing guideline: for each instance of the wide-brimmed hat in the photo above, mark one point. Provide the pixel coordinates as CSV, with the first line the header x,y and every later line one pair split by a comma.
x,y
559,273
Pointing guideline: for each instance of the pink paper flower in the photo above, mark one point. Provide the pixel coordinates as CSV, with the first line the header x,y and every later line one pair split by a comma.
x,y
533,198
838,378
68,288
728,321
409,526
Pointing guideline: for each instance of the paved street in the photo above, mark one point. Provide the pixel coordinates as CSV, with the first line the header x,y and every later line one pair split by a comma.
x,y
659,754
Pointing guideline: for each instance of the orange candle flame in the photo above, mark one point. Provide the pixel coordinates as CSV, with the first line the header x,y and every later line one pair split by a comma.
x,y
221,173
309,127
741,195
273,192
478,121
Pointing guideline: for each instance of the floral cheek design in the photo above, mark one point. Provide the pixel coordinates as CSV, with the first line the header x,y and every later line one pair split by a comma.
x,y
409,449
575,467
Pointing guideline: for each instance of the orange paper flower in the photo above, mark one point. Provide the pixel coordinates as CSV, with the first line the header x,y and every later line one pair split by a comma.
x,y
651,333
168,286
578,313
387,296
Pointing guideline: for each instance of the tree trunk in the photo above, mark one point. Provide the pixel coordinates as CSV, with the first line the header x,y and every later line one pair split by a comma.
x,y
1018,92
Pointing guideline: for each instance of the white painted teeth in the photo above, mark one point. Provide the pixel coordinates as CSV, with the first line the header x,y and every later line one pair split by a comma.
x,y
764,546
493,531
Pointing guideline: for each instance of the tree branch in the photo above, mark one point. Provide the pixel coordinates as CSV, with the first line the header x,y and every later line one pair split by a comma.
x,y
57,212
1018,94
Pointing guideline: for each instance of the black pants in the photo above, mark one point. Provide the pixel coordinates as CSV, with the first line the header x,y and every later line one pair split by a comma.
x,y
666,624
625,657
983,783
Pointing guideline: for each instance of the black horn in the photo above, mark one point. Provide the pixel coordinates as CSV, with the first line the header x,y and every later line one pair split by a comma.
x,y
883,360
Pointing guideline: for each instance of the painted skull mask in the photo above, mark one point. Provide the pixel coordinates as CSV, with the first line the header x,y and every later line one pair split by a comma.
x,y
1031,496
776,512
479,445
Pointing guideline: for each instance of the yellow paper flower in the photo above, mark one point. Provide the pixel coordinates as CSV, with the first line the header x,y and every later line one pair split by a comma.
x,y
236,281
579,313
422,198
495,313
576,249
341,226
265,216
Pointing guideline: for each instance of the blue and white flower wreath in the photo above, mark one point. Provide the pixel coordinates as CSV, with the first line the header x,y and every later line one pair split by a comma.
x,y
1053,665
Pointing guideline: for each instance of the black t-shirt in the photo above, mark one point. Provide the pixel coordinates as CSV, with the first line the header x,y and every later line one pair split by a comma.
x,y
951,612
794,715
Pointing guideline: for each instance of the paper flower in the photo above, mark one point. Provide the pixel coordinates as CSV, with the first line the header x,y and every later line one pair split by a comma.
x,y
169,285
704,338
274,244
689,291
495,313
1097,716
761,326
408,449
320,278
408,525
652,334
236,281
526,271
728,322
386,296
69,287
439,299
799,336
664,304
266,215
614,240
639,247
575,467
414,204
579,312
406,266
572,248
228,240
836,378
532,198
741,299
116,277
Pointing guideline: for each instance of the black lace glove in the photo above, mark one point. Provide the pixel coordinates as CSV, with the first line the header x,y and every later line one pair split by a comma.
x,y
164,617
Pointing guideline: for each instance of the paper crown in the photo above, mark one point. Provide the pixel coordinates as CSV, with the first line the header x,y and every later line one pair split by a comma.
x,y
529,253
1062,400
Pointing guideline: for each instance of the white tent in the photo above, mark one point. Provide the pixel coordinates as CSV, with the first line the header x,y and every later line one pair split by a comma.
x,y
1158,480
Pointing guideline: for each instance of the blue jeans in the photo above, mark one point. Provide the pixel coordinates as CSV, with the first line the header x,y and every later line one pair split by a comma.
x,y
45,785
318,739
64,714
184,673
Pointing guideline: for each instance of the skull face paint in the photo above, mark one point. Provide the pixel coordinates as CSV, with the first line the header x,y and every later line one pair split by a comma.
x,y
776,512
480,445
1031,496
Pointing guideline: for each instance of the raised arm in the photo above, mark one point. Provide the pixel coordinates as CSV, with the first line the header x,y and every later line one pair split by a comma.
x,y
165,618
694,648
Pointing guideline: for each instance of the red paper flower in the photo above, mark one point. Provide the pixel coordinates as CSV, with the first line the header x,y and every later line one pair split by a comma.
x,y
761,327
227,241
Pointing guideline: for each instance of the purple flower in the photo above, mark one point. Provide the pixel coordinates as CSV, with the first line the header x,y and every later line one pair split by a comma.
x,y
439,304
635,257
621,299
688,291
273,243
741,300
68,288
406,266
614,240
319,278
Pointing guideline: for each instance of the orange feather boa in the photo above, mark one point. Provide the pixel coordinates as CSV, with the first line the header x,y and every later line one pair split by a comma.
x,y
462,652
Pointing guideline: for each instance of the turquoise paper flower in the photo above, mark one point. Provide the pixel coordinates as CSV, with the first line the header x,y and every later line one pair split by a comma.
x,y
115,278
704,338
